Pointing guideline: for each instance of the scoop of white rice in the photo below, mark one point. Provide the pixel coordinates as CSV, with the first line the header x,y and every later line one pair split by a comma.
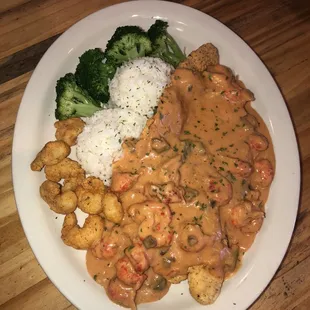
x,y
139,83
135,91
100,142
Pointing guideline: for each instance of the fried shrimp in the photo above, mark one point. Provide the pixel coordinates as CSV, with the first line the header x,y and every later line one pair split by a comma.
x,y
58,201
65,169
81,238
68,130
112,208
72,183
52,153
90,195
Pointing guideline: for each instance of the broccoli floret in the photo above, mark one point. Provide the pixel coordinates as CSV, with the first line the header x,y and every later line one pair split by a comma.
x,y
128,42
72,100
94,75
163,44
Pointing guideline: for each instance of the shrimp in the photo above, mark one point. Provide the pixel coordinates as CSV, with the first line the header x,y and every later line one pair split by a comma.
x,y
121,294
127,274
68,130
237,166
112,209
111,244
219,190
122,181
90,195
252,195
240,168
246,217
258,142
220,69
66,169
250,121
238,95
192,238
263,174
138,257
167,193
154,219
170,170
72,183
81,238
233,89
58,201
52,153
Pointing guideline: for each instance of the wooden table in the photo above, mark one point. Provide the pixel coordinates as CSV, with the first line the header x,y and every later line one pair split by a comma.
x,y
278,31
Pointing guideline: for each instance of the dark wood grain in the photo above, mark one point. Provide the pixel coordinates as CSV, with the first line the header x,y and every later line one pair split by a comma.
x,y
277,30
24,61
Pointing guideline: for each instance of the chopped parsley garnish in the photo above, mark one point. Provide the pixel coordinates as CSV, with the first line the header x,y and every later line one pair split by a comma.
x,y
222,149
212,203
233,178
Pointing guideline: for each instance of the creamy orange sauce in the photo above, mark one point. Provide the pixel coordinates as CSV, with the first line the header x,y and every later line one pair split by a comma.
x,y
193,189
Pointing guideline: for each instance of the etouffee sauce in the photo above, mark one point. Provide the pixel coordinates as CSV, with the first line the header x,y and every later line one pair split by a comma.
x,y
196,181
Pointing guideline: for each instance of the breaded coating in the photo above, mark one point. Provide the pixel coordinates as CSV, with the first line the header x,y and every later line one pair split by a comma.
x,y
52,153
198,60
112,208
69,129
58,201
82,238
66,169
178,279
90,195
204,286
72,183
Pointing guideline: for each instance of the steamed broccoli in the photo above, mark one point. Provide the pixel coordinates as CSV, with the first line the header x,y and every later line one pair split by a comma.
x,y
72,100
128,42
94,75
163,44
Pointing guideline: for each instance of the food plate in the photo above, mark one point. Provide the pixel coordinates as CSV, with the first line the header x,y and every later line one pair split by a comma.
x,y
34,126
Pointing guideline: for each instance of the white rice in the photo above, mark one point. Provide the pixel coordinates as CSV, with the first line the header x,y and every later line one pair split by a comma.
x,y
138,84
100,142
135,90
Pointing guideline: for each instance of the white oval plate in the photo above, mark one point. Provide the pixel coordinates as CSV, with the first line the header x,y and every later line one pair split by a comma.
x,y
34,127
